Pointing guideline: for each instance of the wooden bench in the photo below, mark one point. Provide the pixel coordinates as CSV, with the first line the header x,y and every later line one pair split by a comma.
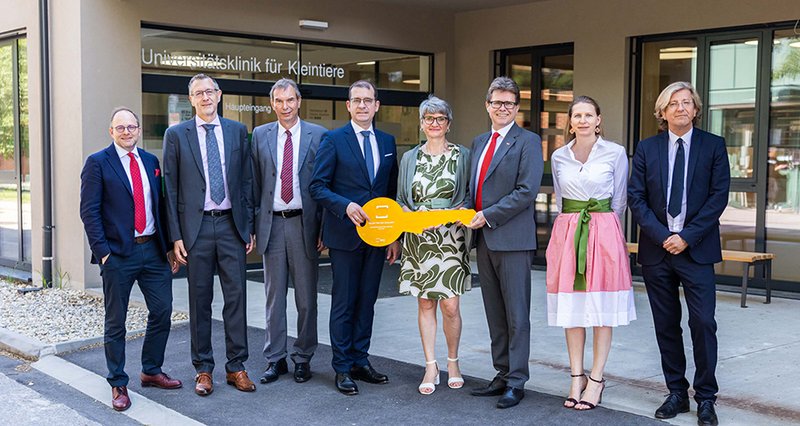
x,y
748,259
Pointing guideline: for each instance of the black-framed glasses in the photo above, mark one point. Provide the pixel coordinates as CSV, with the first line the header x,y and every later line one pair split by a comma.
x,y
202,93
498,104
429,119
131,128
366,101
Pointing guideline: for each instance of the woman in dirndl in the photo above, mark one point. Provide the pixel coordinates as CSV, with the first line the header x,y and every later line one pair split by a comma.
x,y
588,274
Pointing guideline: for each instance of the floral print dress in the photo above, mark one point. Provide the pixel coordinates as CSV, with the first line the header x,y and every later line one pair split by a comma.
x,y
435,263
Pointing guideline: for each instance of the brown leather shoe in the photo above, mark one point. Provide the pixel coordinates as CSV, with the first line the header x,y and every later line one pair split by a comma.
x,y
240,380
160,380
119,398
204,385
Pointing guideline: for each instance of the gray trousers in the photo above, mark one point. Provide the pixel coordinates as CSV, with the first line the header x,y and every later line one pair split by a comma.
x,y
506,288
286,257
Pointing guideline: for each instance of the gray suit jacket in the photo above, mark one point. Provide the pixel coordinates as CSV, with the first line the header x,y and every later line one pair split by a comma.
x,y
509,189
265,170
185,182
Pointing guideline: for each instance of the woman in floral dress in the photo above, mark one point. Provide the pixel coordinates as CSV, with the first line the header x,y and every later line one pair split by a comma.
x,y
435,266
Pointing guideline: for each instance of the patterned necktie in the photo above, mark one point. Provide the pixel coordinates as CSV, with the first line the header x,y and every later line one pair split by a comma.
x,y
676,191
139,215
487,160
287,192
214,165
368,155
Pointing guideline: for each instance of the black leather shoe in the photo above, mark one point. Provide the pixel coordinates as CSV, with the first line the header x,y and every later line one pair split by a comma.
x,y
345,384
511,397
302,372
706,416
368,374
274,370
672,406
496,387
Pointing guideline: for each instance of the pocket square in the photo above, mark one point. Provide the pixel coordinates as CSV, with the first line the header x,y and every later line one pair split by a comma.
x,y
388,155
158,172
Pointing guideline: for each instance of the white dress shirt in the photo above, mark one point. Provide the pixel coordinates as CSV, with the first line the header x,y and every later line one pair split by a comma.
x,y
296,203
503,132
150,225
376,160
201,136
675,224
603,175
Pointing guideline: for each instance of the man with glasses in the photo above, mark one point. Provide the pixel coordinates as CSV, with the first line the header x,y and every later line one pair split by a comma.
x,y
506,173
123,215
287,228
209,209
355,164
677,192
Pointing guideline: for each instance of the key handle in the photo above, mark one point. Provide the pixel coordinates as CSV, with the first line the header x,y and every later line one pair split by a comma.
x,y
388,221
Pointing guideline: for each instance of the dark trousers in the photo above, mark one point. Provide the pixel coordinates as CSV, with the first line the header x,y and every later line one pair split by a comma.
x,y
506,288
662,281
356,279
218,248
149,268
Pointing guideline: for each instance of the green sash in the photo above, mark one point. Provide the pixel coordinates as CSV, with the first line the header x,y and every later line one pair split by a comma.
x,y
582,232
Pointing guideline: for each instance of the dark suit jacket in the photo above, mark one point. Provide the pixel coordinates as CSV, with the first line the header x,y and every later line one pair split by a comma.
x,y
186,185
340,176
707,183
509,189
265,171
107,203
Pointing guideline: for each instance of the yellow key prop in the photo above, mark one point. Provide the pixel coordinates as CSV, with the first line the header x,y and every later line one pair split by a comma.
x,y
388,221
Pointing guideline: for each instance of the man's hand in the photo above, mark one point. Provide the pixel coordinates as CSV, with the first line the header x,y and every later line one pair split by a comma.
x,y
320,245
674,244
251,245
478,221
173,263
393,252
103,260
180,252
356,214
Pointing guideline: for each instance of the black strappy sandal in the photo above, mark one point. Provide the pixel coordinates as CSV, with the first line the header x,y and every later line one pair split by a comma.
x,y
573,401
599,399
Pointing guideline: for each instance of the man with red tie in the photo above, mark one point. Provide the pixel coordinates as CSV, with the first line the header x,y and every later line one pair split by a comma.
x,y
506,173
123,214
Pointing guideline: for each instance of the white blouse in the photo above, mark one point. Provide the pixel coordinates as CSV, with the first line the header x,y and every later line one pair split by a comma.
x,y
604,175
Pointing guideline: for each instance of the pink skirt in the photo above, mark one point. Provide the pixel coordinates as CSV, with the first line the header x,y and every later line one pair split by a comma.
x,y
608,299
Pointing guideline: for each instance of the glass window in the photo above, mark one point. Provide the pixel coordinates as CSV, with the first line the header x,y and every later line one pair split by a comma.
x,y
556,96
737,227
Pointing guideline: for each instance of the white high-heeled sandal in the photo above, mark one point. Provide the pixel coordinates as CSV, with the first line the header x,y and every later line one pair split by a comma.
x,y
423,387
454,382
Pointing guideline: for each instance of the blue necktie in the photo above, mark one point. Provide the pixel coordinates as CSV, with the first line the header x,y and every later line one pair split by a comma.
x,y
368,156
214,165
676,192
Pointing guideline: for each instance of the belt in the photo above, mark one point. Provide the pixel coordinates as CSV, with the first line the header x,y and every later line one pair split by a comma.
x,y
143,239
288,213
217,213
583,208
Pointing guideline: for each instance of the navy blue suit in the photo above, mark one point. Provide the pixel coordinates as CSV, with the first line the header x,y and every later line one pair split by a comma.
x,y
107,212
707,185
340,177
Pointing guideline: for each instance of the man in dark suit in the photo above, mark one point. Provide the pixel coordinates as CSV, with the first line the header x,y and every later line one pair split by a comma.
x,y
123,215
678,190
355,164
506,173
209,211
283,161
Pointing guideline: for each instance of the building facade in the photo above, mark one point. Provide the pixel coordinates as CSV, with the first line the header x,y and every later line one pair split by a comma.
x,y
744,57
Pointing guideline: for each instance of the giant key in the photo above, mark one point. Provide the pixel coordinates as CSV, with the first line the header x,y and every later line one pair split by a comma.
x,y
388,221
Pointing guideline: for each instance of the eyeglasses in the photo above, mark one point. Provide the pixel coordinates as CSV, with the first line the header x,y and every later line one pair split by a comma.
x,y
687,104
498,104
367,101
203,93
131,128
428,119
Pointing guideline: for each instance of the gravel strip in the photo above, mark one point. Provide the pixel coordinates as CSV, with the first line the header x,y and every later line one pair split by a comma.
x,y
61,315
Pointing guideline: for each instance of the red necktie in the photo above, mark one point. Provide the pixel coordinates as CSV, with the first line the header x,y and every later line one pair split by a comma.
x,y
139,215
287,192
487,160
